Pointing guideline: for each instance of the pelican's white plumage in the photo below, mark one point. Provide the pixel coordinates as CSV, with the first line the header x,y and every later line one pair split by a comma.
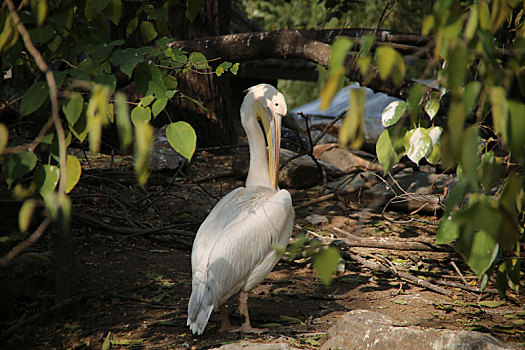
x,y
234,247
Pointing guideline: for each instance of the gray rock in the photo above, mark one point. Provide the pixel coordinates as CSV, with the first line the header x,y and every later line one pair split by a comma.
x,y
315,219
414,190
163,156
363,329
342,158
298,173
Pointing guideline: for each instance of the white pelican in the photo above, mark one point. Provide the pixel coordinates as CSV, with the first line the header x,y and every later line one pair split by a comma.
x,y
234,247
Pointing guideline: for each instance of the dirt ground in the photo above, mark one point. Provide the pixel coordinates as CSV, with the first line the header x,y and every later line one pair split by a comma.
x,y
134,288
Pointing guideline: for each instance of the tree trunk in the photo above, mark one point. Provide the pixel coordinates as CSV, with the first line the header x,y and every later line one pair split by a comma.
x,y
312,45
64,261
216,126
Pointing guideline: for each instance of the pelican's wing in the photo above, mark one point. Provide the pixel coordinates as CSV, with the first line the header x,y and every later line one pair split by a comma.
x,y
235,245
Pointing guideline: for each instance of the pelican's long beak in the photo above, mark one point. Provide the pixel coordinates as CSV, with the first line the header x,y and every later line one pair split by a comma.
x,y
273,137
272,128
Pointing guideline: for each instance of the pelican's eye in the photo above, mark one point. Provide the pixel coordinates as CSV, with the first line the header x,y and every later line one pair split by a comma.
x,y
276,104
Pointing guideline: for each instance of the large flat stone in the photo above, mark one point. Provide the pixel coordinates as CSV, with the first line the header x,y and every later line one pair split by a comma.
x,y
363,329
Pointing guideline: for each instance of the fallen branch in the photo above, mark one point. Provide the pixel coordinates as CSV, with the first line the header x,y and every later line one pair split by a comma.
x,y
28,242
397,245
312,45
407,277
132,231
365,187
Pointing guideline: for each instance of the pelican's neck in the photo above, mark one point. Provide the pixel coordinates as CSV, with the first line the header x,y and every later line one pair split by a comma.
x,y
258,173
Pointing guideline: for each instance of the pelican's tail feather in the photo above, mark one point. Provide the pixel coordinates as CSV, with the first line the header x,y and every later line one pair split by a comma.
x,y
199,308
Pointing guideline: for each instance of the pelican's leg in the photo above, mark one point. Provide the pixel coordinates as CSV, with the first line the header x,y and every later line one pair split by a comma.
x,y
243,310
225,320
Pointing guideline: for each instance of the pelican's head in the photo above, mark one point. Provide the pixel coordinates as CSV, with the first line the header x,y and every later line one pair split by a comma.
x,y
268,106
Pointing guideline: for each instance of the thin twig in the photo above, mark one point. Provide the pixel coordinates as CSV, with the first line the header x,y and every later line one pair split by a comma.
x,y
53,94
407,277
132,231
459,273
28,242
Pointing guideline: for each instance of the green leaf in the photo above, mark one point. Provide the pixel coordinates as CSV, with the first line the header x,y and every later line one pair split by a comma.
x,y
234,68
54,44
149,80
393,112
500,111
114,11
193,8
480,233
158,106
223,67
127,59
456,195
482,252
338,53
367,41
414,100
140,114
132,26
17,165
80,129
326,262
385,58
456,68
107,79
448,230
290,319
39,8
420,144
432,107
428,24
352,130
435,134
147,31
182,138
73,107
107,342
490,171
143,145
93,8
389,148
8,32
99,5
470,96
46,178
123,122
491,303
331,87
198,60
390,63
73,172
34,98
97,115
4,137
25,214
516,126
472,23
469,155
146,100
364,64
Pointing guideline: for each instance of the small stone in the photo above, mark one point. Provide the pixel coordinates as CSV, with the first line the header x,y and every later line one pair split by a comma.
x,y
364,329
315,219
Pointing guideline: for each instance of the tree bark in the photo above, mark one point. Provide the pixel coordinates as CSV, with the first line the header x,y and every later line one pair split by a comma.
x,y
64,260
313,45
216,126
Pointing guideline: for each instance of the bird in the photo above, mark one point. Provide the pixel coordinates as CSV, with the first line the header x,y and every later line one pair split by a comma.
x,y
235,247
